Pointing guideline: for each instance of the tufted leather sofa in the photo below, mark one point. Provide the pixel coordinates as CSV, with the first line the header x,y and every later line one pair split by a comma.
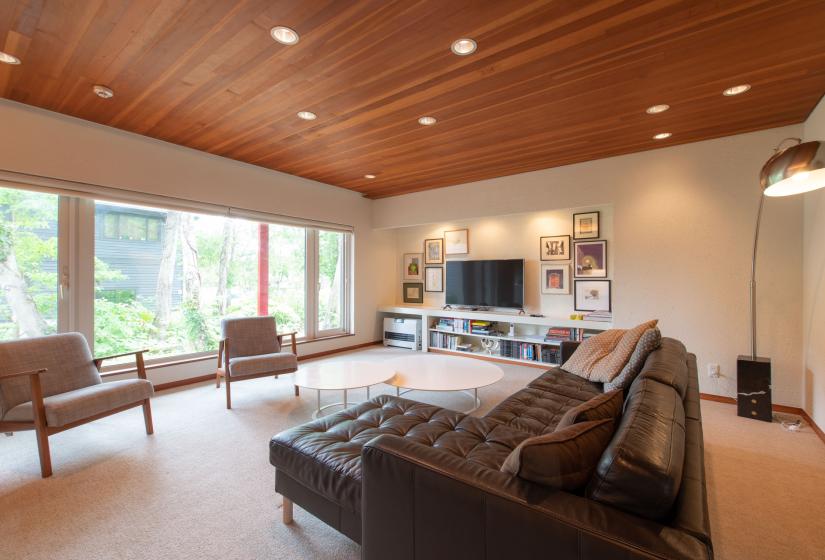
x,y
414,481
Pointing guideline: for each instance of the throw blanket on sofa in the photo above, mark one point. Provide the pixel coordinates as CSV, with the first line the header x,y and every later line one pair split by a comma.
x,y
601,358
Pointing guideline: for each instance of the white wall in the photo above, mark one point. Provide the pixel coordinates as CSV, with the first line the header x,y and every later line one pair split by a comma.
x,y
43,143
683,221
813,279
513,236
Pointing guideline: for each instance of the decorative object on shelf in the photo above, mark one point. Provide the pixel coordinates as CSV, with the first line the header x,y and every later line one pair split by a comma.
x,y
555,278
586,225
457,242
490,345
590,259
434,251
413,292
592,295
413,269
554,248
434,279
793,170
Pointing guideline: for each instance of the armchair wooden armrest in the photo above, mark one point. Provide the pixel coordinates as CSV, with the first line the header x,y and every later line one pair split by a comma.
x,y
22,373
294,342
138,354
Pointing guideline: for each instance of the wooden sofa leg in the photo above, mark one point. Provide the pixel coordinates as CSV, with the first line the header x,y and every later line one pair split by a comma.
x,y
287,511
297,391
228,395
147,417
43,450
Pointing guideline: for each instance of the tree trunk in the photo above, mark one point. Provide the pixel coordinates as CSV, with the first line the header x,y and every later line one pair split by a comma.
x,y
23,310
166,271
227,252
191,273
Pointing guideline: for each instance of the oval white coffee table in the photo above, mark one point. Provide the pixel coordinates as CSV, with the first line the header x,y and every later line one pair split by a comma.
x,y
341,376
437,372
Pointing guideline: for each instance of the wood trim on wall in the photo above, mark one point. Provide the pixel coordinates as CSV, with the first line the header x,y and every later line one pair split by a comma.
x,y
776,408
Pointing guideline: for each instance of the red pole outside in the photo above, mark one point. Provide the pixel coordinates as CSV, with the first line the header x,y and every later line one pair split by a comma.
x,y
263,269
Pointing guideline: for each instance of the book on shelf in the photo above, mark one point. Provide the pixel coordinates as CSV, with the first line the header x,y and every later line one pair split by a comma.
x,y
561,334
601,316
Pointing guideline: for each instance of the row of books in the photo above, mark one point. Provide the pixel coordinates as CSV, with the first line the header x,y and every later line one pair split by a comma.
x,y
602,316
562,334
449,342
465,325
530,351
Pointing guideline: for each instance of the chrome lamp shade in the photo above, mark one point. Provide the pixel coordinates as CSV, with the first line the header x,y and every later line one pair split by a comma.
x,y
795,170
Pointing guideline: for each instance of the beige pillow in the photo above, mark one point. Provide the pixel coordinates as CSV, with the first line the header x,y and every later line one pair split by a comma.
x,y
600,407
601,358
564,460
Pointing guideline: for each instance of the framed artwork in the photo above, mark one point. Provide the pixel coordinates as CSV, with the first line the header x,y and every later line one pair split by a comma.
x,y
586,225
592,295
457,242
555,278
413,292
590,259
555,248
413,266
433,251
434,279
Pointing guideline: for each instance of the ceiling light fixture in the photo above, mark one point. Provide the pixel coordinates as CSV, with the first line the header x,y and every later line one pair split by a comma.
x,y
284,35
654,109
427,121
8,58
369,176
307,115
463,47
736,90
103,92
662,136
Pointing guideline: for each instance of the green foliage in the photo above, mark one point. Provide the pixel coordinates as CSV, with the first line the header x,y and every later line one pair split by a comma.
x,y
122,327
196,328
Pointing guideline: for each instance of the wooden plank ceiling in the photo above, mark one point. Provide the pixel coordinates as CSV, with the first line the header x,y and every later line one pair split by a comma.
x,y
552,83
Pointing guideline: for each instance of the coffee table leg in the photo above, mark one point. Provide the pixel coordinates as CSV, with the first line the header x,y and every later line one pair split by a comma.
x,y
368,392
345,398
398,391
318,408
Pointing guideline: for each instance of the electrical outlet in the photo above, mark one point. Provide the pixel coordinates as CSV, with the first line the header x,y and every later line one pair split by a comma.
x,y
713,371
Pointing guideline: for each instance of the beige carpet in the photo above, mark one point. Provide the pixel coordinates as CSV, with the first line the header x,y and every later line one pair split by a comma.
x,y
202,487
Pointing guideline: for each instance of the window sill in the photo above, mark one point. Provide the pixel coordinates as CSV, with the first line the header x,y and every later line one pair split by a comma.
x,y
193,359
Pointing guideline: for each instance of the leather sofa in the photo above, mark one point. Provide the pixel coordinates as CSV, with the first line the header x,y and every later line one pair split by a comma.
x,y
412,481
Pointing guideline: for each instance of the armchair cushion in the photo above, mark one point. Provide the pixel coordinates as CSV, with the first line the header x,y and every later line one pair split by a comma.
x,y
250,336
66,357
278,362
65,408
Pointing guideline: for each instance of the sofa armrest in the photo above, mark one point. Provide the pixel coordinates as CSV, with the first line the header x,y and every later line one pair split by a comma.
x,y
567,349
422,502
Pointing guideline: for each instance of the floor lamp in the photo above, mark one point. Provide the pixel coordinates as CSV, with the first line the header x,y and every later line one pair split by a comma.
x,y
795,169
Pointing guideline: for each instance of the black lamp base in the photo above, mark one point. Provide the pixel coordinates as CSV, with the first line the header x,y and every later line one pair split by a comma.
x,y
753,388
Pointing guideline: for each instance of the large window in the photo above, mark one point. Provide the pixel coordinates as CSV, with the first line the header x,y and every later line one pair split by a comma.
x,y
332,257
28,264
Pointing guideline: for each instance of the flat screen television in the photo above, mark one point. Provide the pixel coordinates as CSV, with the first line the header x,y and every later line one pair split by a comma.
x,y
498,283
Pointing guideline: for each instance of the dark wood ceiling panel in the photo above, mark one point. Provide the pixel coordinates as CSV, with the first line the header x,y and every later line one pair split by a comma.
x,y
552,83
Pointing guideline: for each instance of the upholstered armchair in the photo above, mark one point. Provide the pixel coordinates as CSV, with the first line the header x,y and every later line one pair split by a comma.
x,y
50,384
251,347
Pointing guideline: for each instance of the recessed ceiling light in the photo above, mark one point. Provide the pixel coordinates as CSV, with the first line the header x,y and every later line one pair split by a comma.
x,y
662,136
427,121
736,90
369,176
463,47
8,58
307,115
284,35
103,92
653,109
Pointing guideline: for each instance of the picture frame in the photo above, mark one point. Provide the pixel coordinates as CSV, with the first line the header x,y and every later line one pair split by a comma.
x,y
554,248
457,242
413,292
590,259
414,267
434,279
592,295
434,251
586,225
555,279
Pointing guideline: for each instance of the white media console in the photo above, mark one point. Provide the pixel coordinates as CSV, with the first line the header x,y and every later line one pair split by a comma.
x,y
512,337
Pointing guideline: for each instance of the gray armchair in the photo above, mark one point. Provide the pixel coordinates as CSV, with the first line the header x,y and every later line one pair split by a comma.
x,y
251,347
51,384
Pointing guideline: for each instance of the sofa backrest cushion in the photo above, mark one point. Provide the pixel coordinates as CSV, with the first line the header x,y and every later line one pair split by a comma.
x,y
650,341
250,336
641,469
668,364
600,407
601,358
66,357
564,459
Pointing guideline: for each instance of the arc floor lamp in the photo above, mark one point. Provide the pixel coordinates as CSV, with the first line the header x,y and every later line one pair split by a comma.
x,y
795,169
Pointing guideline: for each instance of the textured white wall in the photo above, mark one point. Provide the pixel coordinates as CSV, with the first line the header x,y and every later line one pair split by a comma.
x,y
683,221
813,279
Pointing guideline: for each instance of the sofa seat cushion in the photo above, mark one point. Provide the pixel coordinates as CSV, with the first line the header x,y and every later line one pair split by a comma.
x,y
325,455
66,408
539,407
278,362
